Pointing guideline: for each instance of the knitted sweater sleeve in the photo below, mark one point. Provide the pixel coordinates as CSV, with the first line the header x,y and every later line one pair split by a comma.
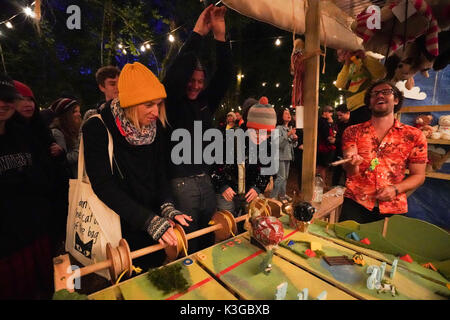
x,y
102,180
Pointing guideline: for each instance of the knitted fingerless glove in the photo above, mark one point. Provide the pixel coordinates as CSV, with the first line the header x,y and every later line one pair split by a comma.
x,y
157,227
168,211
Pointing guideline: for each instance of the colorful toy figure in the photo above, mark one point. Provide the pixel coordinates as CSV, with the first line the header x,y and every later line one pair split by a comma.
x,y
268,231
373,164
358,259
387,286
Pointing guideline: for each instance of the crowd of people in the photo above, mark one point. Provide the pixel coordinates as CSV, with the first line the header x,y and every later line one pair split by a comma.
x,y
40,150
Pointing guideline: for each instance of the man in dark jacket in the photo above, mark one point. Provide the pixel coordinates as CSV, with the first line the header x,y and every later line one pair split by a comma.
x,y
189,100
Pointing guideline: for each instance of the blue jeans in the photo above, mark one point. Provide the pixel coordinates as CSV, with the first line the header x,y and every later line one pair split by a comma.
x,y
195,197
279,185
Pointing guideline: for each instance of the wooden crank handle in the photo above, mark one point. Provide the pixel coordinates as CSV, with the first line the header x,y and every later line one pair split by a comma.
x,y
339,162
150,249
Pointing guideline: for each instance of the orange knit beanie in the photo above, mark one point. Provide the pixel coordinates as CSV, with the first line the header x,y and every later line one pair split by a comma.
x,y
137,84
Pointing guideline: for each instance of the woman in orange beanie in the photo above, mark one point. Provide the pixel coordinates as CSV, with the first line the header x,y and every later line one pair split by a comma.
x,y
137,188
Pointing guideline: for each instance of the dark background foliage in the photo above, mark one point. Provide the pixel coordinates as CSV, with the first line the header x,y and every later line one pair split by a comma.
x,y
56,61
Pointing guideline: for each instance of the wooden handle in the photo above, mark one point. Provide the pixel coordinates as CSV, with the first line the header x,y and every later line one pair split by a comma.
x,y
150,249
339,162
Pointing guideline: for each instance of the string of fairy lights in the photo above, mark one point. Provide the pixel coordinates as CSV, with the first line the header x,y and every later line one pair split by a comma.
x,y
27,11
146,45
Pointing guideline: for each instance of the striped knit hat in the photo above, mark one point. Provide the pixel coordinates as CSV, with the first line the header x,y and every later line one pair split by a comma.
x,y
262,116
62,105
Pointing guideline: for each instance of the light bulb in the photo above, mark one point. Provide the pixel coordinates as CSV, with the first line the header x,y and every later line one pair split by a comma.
x,y
29,12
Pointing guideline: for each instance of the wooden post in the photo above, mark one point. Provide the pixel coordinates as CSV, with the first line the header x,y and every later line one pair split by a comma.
x,y
311,98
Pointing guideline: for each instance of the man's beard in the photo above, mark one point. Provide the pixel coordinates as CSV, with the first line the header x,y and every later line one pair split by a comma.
x,y
380,114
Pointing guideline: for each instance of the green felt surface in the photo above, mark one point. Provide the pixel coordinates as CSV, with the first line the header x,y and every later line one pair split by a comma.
x,y
238,267
442,276
353,278
202,287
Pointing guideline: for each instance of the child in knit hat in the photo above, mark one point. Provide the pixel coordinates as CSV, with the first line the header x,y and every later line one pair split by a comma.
x,y
238,184
136,188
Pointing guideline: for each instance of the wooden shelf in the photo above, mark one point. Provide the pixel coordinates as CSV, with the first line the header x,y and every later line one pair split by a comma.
x,y
435,175
438,141
413,109
438,175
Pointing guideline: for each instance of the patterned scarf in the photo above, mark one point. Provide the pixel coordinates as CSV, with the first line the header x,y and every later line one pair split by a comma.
x,y
133,135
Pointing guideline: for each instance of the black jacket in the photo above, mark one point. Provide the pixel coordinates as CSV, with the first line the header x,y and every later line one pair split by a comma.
x,y
226,175
182,112
137,186
26,189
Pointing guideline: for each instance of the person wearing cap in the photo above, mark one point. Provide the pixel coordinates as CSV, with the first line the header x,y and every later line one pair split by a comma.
x,y
231,120
191,98
65,128
287,143
238,184
29,115
26,206
137,189
248,103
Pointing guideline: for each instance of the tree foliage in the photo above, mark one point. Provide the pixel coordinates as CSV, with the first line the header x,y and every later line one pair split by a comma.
x,y
58,61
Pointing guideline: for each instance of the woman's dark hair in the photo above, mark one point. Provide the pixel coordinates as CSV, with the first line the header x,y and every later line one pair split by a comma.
x,y
397,93
65,123
280,113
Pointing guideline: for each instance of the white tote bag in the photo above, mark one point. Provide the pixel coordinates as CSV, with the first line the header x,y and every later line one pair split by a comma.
x,y
90,223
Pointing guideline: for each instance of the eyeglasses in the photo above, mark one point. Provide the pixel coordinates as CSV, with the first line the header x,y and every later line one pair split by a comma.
x,y
384,92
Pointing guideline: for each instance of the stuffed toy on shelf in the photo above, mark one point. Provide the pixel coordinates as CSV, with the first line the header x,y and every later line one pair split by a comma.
x,y
423,122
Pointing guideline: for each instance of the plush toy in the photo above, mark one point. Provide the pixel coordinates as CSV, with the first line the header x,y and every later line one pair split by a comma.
x,y
358,72
437,156
426,18
443,129
423,123
413,45
414,58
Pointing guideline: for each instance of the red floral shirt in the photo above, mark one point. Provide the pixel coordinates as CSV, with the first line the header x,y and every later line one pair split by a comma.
x,y
402,144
